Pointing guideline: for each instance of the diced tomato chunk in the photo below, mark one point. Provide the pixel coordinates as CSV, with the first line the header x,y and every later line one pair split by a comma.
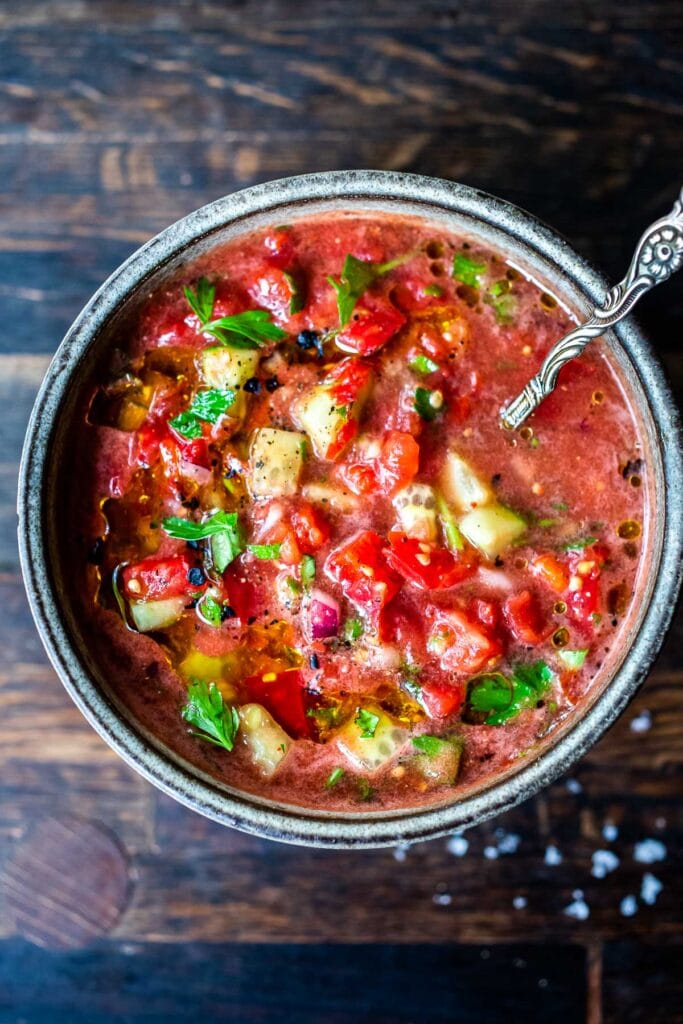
x,y
424,564
440,699
273,290
283,695
582,596
525,619
158,578
370,327
462,644
300,530
552,571
359,566
348,381
487,612
280,247
393,468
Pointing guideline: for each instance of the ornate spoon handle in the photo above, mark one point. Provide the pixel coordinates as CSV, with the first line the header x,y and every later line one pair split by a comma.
x,y
658,255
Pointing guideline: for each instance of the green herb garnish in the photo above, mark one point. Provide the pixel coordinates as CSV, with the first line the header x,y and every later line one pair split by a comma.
x,y
293,585
427,405
367,722
546,523
207,407
353,628
210,610
328,716
494,699
215,721
201,302
580,544
423,364
307,569
335,776
466,270
356,277
365,790
265,551
504,308
223,530
430,745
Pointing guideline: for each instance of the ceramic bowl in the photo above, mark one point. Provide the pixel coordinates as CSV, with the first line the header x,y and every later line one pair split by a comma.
x,y
498,225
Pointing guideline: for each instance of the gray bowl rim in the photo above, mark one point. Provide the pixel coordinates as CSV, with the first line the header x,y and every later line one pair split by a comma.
x,y
286,823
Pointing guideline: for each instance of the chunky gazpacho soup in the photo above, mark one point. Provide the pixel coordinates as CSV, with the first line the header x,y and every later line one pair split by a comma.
x,y
317,566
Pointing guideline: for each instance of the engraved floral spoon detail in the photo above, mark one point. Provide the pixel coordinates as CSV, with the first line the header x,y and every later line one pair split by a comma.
x,y
658,255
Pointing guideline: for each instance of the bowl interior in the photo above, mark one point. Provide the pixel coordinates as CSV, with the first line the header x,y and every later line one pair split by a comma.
x,y
50,486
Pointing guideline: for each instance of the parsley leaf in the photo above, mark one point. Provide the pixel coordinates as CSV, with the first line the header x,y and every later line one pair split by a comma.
x,y
187,425
423,364
206,407
428,403
494,699
251,329
356,277
335,776
265,551
365,790
216,722
223,529
210,610
367,722
201,301
430,745
466,270
504,308
451,530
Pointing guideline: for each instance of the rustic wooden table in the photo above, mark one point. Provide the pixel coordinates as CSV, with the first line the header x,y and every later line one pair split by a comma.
x,y
119,905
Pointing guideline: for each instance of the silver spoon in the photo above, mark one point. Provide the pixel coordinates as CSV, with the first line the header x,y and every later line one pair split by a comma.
x,y
658,255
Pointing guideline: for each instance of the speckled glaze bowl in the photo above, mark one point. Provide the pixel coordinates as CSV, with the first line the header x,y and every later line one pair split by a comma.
x,y
539,252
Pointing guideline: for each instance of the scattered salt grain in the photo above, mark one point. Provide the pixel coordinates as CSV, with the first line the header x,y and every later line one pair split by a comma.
x,y
508,842
578,909
458,845
401,851
491,852
610,832
442,899
649,851
553,857
650,889
604,863
574,786
519,902
642,722
628,906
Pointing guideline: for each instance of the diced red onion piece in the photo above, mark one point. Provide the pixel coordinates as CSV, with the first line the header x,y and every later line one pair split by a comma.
x,y
199,474
324,615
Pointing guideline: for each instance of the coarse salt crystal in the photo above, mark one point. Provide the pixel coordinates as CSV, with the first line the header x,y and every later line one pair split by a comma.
x,y
649,851
628,906
604,863
553,857
610,832
642,722
650,889
579,909
457,845
519,902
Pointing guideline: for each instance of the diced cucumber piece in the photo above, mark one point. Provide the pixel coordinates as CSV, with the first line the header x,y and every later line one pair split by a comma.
x,y
151,615
416,507
225,367
322,420
370,753
573,660
328,494
492,529
442,764
275,462
460,485
266,741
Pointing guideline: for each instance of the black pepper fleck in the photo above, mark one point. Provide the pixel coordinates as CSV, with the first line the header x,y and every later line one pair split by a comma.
x,y
314,661
196,576
253,385
227,613
96,553
307,339
272,384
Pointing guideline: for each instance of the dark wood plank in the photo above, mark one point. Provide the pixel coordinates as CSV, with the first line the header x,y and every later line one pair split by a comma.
x,y
642,983
282,983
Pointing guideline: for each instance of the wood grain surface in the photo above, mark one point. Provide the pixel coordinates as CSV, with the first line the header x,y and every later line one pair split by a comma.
x,y
117,118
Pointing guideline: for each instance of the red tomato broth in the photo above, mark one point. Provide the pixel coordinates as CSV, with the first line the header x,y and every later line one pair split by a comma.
x,y
565,475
